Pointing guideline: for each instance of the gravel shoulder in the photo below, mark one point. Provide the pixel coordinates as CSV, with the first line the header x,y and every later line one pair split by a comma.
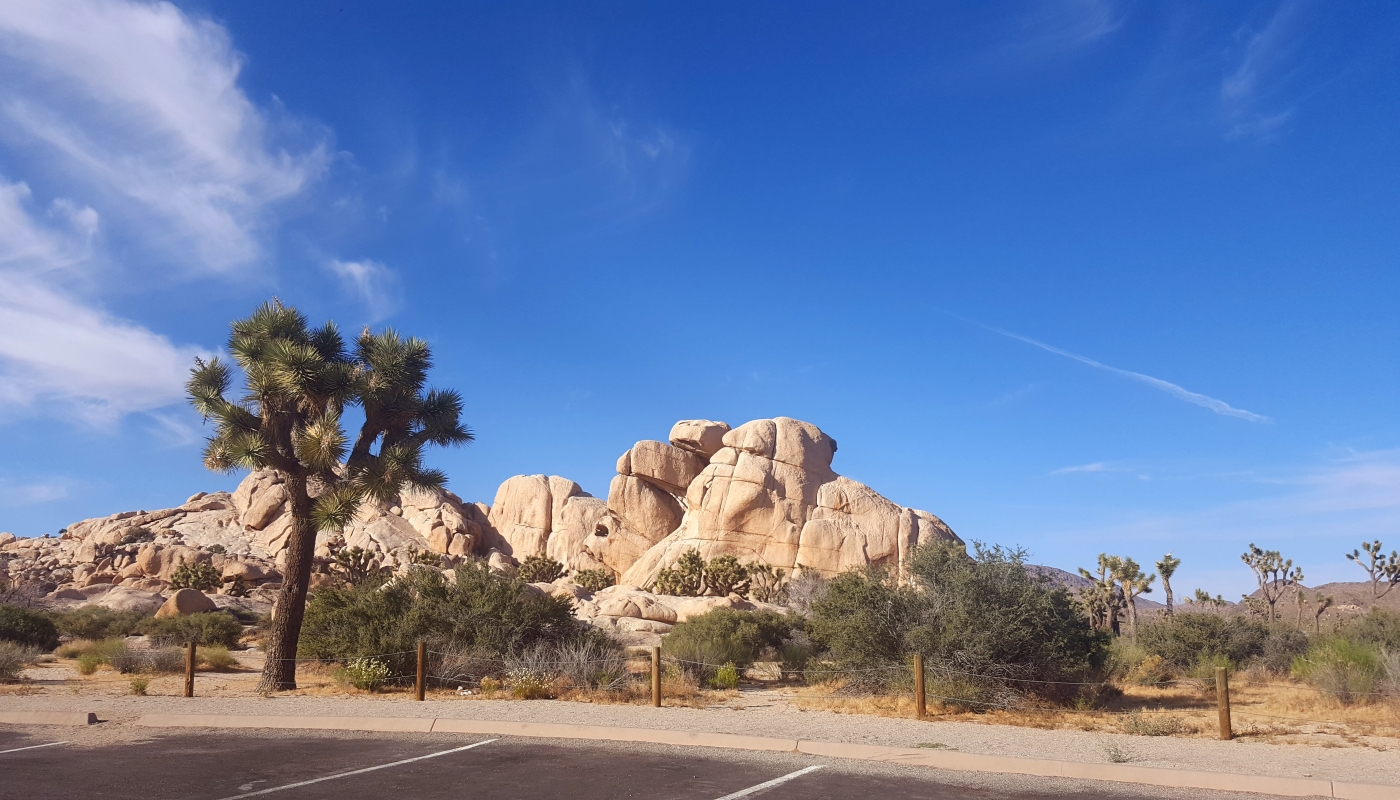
x,y
1373,761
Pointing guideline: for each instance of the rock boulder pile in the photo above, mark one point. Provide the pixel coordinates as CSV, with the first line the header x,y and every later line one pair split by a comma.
x,y
764,492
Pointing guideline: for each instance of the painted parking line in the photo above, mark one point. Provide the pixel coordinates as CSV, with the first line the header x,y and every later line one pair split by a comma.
x,y
772,783
359,771
31,747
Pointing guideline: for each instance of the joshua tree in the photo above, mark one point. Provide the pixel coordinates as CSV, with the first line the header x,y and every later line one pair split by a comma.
x,y
1133,583
1274,573
1380,570
1321,604
298,380
1202,596
1103,598
1167,568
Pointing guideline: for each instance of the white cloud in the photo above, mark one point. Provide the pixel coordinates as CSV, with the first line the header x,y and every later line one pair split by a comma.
x,y
1195,398
1248,86
28,494
371,283
128,121
1055,28
1097,466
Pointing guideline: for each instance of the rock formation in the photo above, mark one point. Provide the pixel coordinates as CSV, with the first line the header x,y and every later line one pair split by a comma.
x,y
762,492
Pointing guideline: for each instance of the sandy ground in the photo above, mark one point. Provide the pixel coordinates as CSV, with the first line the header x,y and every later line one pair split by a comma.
x,y
759,712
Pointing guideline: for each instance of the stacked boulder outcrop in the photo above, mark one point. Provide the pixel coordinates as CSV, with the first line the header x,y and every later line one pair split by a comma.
x,y
764,492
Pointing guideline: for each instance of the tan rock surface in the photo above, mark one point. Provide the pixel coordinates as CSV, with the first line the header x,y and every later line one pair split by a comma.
x,y
700,436
185,602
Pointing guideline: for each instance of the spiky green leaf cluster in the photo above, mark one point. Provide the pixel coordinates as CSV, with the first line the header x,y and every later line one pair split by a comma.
x,y
297,383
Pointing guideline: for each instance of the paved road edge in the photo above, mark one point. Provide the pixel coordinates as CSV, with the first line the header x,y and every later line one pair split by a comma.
x,y
48,717
949,760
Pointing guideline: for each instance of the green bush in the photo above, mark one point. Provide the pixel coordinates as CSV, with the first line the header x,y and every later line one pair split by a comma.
x,y
594,580
1378,627
200,575
28,628
210,628
704,643
1347,670
989,616
1185,636
365,674
726,677
724,575
138,686
540,568
862,618
685,579
97,622
482,612
216,658
89,661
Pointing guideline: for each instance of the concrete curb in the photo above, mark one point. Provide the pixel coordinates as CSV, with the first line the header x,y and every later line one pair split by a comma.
x,y
48,717
954,761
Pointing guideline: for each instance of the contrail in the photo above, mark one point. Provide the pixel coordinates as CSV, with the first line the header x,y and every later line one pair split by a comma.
x,y
1218,406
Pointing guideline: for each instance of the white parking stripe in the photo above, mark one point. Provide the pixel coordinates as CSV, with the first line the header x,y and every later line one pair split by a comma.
x,y
31,747
772,783
358,771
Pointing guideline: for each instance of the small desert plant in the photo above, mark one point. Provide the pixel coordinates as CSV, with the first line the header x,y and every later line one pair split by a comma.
x,y
724,575
216,549
164,660
200,575
766,584
726,677
1346,670
97,623
25,627
591,663
365,674
594,580
14,657
1117,753
89,661
685,579
138,685
137,536
354,564
540,568
804,590
216,658
424,558
236,586
123,659
1138,723
531,672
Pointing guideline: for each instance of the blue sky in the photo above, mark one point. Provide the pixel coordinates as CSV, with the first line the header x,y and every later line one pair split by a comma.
x,y
1078,276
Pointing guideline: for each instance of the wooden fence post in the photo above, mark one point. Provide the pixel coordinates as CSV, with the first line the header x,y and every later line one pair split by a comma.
x,y
422,669
918,686
189,669
1222,698
656,676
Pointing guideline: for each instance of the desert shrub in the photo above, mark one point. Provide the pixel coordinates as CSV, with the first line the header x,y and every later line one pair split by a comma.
x,y
482,613
14,657
1129,663
121,657
1346,670
1182,638
1377,627
704,643
862,618
594,580
209,628
365,674
28,628
97,623
726,677
767,584
137,536
200,575
89,661
804,590
138,686
1390,663
540,568
988,615
1201,671
1281,646
591,663
724,575
216,658
685,579
216,549
163,660
1137,723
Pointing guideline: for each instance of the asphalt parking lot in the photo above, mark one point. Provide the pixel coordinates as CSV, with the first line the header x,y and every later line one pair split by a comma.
x,y
219,765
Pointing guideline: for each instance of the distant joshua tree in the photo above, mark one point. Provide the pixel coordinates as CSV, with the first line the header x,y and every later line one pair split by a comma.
x,y
1167,568
1274,574
296,382
1380,570
1133,583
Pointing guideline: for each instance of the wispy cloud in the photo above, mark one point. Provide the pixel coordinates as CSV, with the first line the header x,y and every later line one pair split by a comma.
x,y
1195,398
370,282
1055,28
143,159
29,494
1244,92
1097,466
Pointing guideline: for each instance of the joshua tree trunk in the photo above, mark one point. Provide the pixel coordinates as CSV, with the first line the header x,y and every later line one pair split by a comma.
x,y
1167,588
280,669
1132,618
